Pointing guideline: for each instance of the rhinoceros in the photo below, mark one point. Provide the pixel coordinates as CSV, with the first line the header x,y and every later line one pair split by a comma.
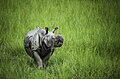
x,y
40,44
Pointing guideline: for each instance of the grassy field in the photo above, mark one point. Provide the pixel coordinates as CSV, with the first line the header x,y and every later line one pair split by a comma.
x,y
91,29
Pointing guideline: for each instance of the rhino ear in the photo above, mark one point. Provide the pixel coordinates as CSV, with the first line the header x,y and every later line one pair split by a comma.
x,y
46,29
55,29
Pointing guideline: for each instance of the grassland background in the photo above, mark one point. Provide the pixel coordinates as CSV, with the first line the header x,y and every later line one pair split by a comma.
x,y
91,29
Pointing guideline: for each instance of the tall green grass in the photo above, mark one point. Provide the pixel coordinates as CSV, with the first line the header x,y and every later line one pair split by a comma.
x,y
91,30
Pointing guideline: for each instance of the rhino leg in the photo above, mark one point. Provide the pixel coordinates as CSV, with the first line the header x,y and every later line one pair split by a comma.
x,y
38,59
45,60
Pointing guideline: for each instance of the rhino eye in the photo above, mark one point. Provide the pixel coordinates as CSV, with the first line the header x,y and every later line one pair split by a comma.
x,y
53,38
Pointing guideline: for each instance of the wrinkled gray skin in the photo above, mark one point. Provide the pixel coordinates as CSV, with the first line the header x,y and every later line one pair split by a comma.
x,y
40,45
